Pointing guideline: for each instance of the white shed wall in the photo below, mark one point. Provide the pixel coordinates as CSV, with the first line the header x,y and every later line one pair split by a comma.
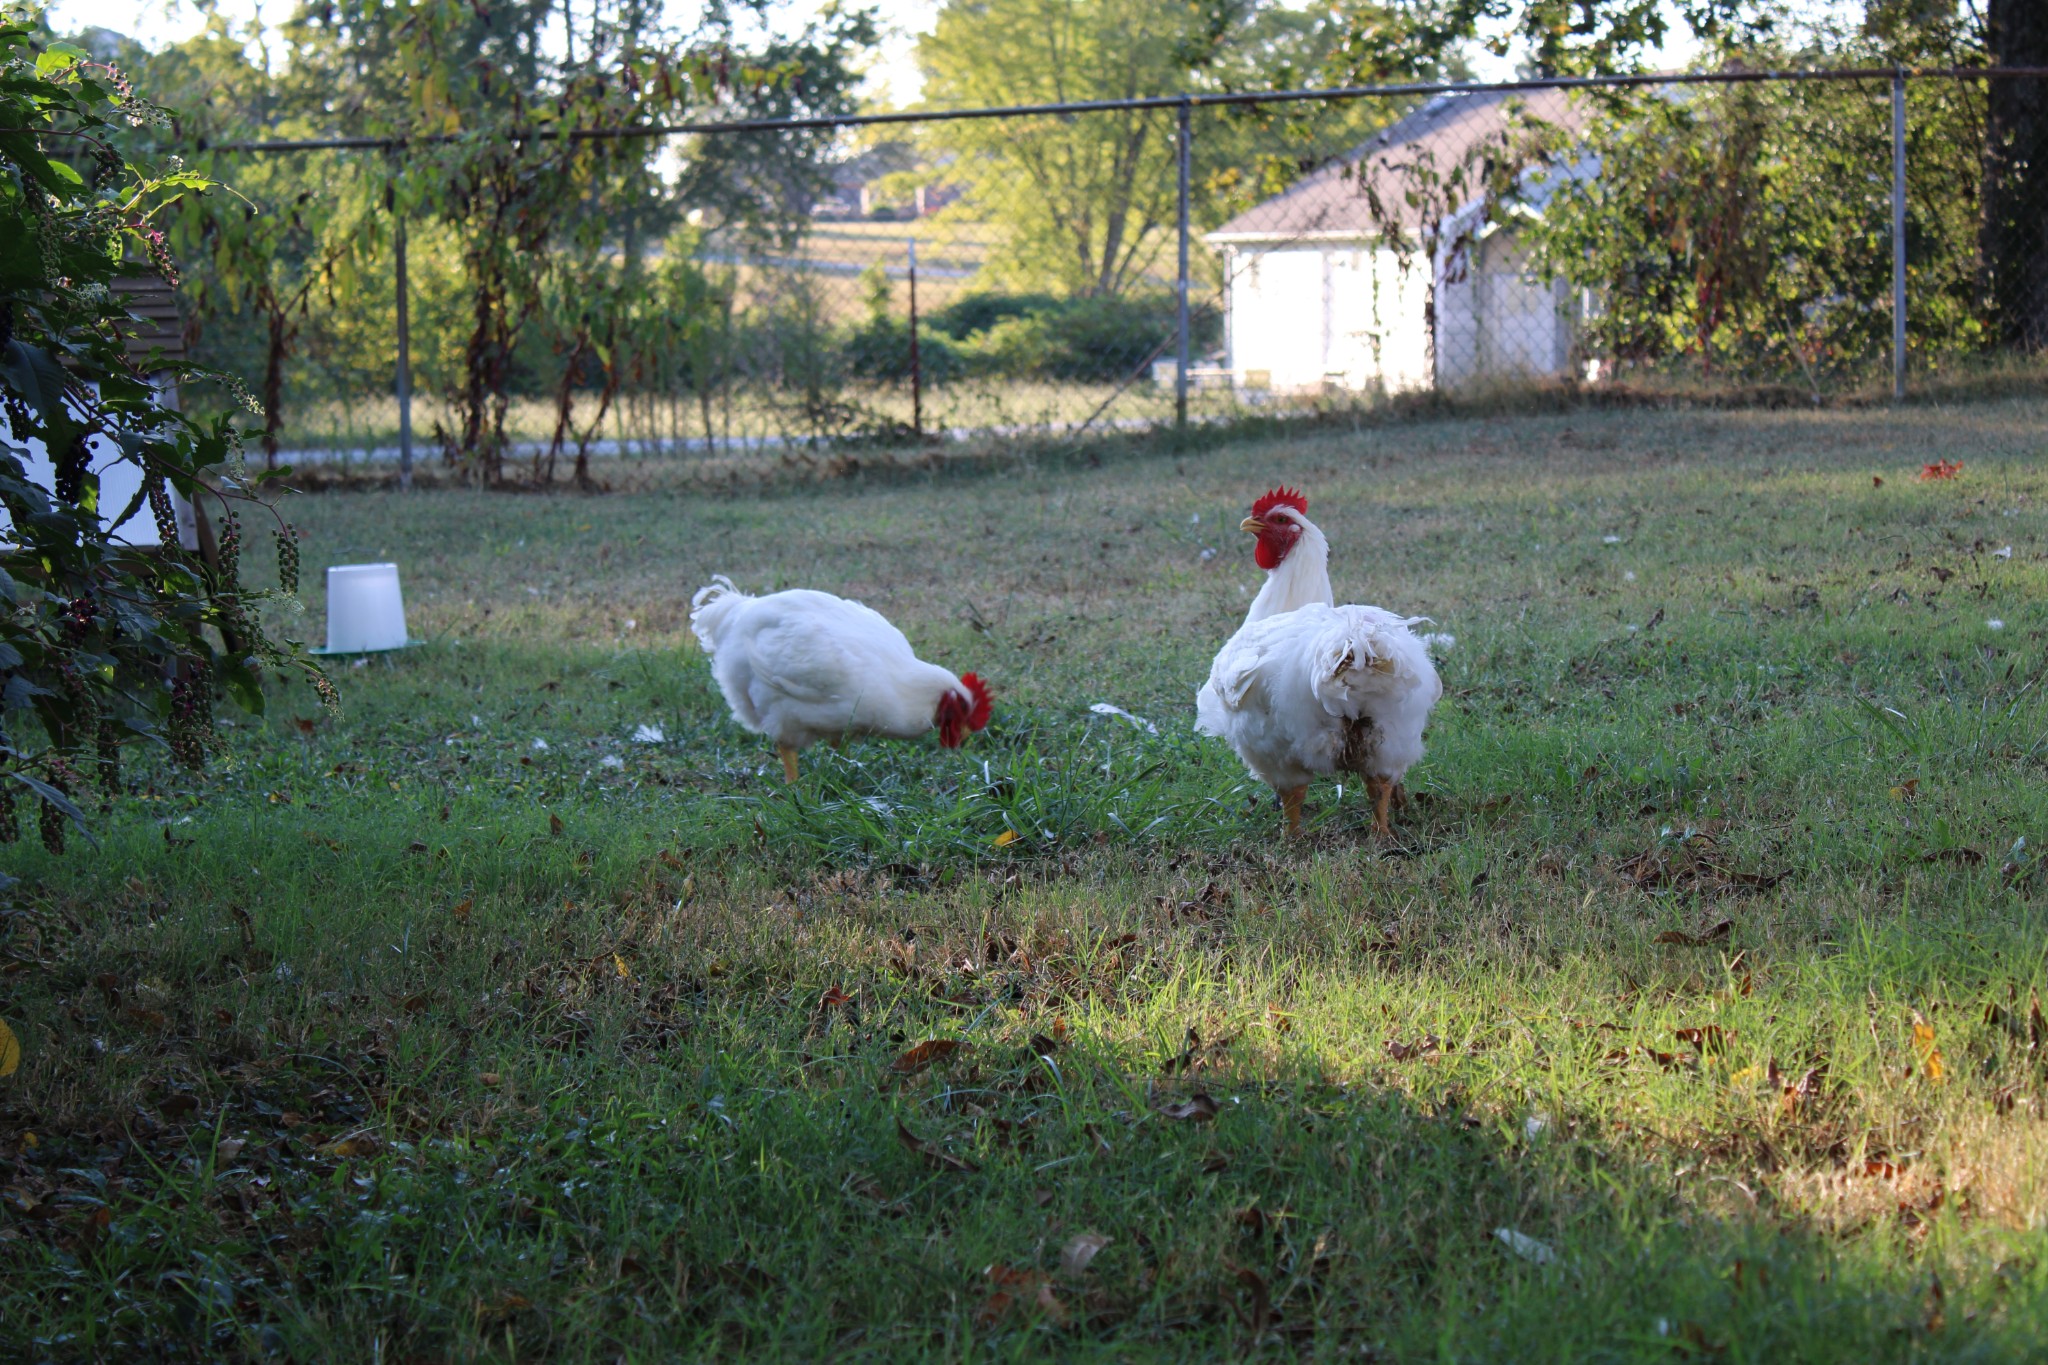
x,y
1497,320
1347,314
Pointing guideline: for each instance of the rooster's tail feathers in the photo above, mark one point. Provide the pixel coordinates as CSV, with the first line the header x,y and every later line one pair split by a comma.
x,y
709,608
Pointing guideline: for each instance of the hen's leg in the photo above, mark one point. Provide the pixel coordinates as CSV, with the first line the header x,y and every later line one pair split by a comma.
x,y
788,761
1290,802
1400,796
1381,791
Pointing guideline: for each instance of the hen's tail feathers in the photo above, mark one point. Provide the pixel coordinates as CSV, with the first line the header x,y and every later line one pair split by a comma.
x,y
710,607
1368,661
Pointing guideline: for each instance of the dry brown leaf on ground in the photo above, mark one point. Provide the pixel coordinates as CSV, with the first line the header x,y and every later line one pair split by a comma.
x,y
1710,1038
1016,1285
925,1054
1679,938
1197,1108
935,1158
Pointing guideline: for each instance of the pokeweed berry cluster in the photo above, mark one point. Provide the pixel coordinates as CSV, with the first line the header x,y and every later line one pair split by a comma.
x,y
191,722
103,643
288,558
163,511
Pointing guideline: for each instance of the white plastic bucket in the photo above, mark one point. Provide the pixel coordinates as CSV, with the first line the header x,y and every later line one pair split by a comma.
x,y
365,610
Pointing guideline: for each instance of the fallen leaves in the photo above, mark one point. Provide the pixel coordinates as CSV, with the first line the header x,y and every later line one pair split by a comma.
x,y
1940,469
1424,1046
1924,1047
10,1050
925,1054
933,1157
1016,1286
1680,939
362,1144
1197,1108
1682,865
1704,1040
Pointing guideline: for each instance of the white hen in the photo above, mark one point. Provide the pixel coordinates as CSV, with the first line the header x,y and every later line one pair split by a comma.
x,y
1305,687
801,666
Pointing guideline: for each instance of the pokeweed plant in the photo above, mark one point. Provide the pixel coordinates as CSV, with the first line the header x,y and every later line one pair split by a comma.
x,y
104,644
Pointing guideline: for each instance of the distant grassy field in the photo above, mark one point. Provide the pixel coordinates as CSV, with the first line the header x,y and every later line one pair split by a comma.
x,y
523,1012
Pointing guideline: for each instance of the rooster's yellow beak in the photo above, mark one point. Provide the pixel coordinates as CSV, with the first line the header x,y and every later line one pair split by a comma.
x,y
1252,524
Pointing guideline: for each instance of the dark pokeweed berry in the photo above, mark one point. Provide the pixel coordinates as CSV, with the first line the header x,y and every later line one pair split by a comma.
x,y
69,485
165,513
288,558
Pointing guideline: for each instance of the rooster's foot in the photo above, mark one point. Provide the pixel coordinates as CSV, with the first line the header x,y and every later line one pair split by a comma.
x,y
1382,792
1290,803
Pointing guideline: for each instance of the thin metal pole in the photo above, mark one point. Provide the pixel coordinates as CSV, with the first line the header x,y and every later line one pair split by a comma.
x,y
404,360
1180,369
916,369
1898,234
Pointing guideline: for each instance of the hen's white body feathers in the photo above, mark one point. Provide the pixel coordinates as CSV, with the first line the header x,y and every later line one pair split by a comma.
x,y
802,665
1289,692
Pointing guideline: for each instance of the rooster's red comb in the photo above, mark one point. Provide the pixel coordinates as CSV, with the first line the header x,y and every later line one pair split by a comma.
x,y
1282,496
977,718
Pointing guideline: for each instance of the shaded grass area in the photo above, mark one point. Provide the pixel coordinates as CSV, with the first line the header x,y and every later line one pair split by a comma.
x,y
469,1025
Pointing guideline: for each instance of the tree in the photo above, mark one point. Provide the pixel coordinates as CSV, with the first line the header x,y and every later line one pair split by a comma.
x,y
101,645
1084,197
2015,231
493,112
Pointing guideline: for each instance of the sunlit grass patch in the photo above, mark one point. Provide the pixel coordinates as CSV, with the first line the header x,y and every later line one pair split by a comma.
x,y
523,1010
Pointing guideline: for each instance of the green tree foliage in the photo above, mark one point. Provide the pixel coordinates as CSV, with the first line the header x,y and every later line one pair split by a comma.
x,y
101,645
1086,203
1749,227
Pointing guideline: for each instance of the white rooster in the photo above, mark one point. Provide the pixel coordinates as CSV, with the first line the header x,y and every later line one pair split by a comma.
x,y
801,666
1306,687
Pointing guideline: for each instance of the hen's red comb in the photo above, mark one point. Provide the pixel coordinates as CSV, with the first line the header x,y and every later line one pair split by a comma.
x,y
977,718
1282,496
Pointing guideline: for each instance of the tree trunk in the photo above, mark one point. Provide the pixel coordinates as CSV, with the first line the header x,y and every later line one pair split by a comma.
x,y
2013,237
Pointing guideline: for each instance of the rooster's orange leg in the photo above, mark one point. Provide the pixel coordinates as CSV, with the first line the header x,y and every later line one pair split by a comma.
x,y
1381,791
1290,802
788,761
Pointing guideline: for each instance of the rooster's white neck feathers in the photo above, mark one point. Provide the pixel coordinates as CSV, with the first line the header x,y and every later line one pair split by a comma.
x,y
1302,578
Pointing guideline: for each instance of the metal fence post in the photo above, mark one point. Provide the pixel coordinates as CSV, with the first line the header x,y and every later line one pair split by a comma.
x,y
1180,369
1898,233
404,359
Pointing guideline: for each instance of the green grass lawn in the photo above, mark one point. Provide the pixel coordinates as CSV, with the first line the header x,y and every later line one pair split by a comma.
x,y
1690,1017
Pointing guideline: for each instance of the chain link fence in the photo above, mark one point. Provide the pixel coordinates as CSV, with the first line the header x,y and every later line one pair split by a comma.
x,y
907,280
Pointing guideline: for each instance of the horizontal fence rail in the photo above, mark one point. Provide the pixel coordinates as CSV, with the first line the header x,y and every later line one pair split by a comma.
x,y
1204,99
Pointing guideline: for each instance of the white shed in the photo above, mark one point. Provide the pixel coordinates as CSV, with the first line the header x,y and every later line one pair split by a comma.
x,y
1320,290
